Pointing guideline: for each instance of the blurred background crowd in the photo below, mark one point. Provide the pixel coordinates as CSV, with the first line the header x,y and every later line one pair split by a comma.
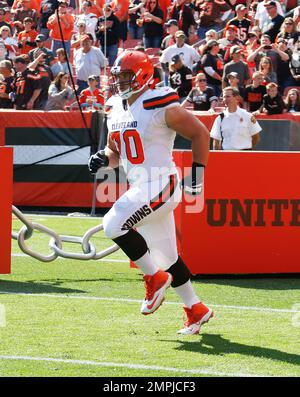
x,y
52,52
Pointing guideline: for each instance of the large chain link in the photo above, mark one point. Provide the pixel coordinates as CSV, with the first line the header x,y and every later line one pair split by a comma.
x,y
56,241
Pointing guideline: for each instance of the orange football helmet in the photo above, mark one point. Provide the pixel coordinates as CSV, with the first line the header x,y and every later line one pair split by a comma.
x,y
131,72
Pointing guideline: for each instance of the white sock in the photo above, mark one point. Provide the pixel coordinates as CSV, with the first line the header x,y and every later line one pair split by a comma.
x,y
187,294
145,263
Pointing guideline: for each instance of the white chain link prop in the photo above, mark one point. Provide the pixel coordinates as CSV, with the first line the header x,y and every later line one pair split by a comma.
x,y
56,240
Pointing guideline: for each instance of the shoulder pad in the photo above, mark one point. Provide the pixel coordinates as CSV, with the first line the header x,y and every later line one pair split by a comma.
x,y
161,100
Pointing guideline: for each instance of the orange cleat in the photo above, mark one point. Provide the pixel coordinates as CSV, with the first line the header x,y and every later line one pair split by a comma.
x,y
196,316
156,287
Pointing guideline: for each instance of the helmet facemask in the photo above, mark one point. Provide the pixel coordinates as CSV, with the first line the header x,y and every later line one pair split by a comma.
x,y
125,83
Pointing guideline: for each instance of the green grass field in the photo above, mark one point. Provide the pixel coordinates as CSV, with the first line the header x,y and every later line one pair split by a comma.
x,y
81,318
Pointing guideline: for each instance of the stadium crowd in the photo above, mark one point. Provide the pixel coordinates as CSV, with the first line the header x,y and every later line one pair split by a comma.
x,y
51,48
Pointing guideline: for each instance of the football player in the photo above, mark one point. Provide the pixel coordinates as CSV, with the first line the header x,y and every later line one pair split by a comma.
x,y
141,130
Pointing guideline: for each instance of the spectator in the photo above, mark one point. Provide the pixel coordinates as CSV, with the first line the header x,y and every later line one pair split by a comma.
x,y
184,15
209,35
172,28
188,54
257,30
274,22
296,15
180,77
252,44
67,26
40,46
24,11
39,67
242,23
152,21
6,81
235,128
212,65
76,38
60,93
89,18
237,66
11,44
266,69
47,9
284,75
135,12
295,64
33,4
26,38
252,7
3,21
26,85
110,28
254,93
4,4
262,17
120,10
267,49
62,63
288,31
272,101
92,95
202,96
209,15
97,6
3,50
164,5
292,101
88,60
230,40
233,82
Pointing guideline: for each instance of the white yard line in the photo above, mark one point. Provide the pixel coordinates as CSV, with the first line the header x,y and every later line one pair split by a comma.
x,y
101,260
47,217
195,371
127,300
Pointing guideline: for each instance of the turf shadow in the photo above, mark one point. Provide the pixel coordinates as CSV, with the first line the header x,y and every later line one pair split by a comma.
x,y
34,287
219,346
59,281
272,284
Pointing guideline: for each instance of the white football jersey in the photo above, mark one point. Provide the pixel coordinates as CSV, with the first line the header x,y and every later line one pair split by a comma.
x,y
141,135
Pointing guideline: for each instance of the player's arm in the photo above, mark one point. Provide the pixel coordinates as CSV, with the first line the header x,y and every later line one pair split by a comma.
x,y
188,126
112,153
109,157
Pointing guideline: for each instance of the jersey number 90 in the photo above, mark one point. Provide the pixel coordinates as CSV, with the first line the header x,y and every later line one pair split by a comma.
x,y
133,145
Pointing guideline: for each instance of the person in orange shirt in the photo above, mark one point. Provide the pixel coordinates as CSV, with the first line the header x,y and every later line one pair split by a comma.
x,y
92,95
120,10
67,25
26,38
96,8
33,4
5,19
24,11
164,5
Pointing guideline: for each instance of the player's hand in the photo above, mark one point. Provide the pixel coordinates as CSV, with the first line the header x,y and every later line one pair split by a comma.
x,y
97,160
193,183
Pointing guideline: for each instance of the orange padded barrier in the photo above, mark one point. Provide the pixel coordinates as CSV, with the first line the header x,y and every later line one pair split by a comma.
x,y
251,217
6,168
